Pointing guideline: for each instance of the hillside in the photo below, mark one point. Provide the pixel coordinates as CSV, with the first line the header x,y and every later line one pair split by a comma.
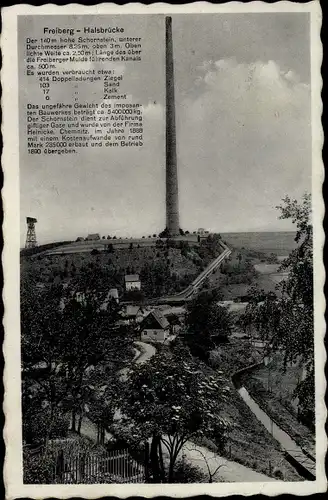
x,y
162,270
167,266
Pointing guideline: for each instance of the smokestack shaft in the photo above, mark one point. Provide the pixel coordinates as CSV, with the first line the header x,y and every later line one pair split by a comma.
x,y
172,201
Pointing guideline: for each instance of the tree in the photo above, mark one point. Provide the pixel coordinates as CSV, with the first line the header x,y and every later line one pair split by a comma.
x,y
156,278
184,247
208,324
41,344
92,338
289,317
159,244
65,333
171,401
164,234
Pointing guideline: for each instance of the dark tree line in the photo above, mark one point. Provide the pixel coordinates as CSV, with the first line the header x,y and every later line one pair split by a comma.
x,y
70,344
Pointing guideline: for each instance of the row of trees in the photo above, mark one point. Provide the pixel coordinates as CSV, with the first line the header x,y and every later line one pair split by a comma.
x,y
71,347
285,320
163,234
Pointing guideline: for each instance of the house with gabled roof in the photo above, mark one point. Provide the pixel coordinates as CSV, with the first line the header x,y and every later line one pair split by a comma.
x,y
155,327
133,314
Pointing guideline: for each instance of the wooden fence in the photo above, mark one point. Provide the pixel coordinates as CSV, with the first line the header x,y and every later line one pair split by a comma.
x,y
116,466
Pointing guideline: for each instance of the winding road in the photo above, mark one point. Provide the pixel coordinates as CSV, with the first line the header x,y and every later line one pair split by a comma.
x,y
143,353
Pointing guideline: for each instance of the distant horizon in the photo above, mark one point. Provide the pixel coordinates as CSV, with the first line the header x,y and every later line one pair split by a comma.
x,y
146,236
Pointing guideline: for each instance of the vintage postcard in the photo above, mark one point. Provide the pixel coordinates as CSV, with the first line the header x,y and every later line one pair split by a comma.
x,y
163,250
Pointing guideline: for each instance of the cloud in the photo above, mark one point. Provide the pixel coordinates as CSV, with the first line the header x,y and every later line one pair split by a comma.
x,y
244,141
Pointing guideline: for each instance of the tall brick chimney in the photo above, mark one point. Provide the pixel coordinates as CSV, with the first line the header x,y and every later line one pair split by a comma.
x,y
172,200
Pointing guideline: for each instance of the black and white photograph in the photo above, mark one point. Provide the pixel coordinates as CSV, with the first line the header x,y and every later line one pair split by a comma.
x,y
167,253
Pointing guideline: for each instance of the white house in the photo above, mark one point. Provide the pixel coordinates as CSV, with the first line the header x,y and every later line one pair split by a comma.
x,y
132,282
155,327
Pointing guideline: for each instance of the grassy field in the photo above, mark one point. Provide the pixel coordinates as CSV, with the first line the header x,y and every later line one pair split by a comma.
x,y
280,243
247,266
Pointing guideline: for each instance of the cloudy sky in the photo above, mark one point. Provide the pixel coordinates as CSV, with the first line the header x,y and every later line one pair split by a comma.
x,y
243,130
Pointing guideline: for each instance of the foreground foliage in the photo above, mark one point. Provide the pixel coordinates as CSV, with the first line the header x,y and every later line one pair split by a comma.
x,y
71,352
170,401
285,322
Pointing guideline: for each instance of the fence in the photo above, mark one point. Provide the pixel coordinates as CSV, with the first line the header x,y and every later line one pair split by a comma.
x,y
116,466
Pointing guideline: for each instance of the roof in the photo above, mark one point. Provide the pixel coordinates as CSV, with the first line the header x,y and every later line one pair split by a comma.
x,y
113,292
132,277
161,320
93,236
132,310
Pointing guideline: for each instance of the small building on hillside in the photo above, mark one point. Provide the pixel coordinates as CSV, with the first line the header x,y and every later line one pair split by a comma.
x,y
113,293
132,282
155,327
93,237
133,314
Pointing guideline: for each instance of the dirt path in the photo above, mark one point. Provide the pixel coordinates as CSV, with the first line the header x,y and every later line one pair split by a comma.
x,y
209,462
144,353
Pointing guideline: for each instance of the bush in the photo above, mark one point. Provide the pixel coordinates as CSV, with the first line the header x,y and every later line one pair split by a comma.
x,y
38,469
187,473
36,422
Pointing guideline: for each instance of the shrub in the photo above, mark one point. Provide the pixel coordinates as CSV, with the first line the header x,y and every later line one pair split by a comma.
x,y
187,473
38,469
37,422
